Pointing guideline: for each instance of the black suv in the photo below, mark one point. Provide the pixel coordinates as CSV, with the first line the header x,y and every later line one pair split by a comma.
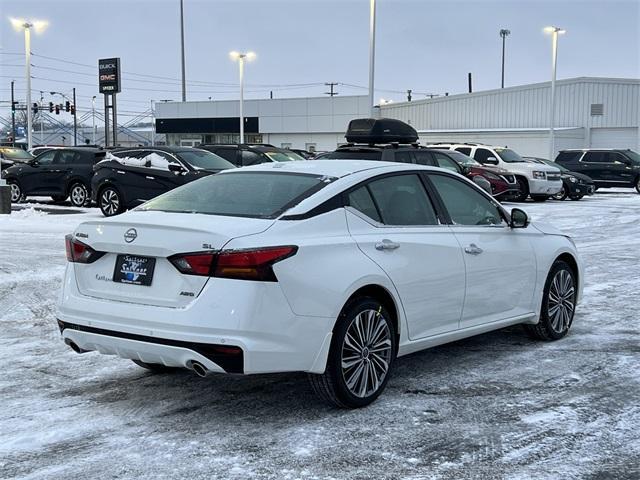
x,y
607,167
131,176
59,173
243,155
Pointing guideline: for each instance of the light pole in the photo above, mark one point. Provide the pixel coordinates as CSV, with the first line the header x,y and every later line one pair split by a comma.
x,y
27,25
372,50
41,118
241,57
504,33
93,120
153,126
554,31
184,75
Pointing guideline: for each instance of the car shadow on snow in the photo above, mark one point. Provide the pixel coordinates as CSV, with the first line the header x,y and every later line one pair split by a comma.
x,y
138,395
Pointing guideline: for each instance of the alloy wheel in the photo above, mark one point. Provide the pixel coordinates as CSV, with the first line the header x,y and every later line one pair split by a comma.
x,y
638,184
561,302
78,195
109,202
16,193
561,195
366,353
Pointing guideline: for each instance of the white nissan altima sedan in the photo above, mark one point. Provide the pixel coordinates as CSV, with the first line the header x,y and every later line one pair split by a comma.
x,y
334,268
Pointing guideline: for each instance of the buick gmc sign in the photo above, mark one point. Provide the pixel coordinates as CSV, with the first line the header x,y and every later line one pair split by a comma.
x,y
109,75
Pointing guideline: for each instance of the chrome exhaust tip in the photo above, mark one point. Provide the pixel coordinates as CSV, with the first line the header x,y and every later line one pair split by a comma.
x,y
199,369
74,346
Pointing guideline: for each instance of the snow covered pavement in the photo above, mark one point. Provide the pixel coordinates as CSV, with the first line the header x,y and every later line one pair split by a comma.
x,y
495,406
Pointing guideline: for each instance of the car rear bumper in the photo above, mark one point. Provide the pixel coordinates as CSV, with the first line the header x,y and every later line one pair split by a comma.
x,y
253,317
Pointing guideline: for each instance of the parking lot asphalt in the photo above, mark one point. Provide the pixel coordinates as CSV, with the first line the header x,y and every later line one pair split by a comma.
x,y
497,405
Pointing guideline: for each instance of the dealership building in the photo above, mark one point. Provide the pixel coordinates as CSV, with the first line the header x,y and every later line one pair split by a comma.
x,y
590,112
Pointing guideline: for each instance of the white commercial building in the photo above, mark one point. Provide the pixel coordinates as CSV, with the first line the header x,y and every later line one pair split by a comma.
x,y
590,112
317,123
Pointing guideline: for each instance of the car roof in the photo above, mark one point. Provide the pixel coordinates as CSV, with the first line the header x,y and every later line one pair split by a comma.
x,y
331,168
595,150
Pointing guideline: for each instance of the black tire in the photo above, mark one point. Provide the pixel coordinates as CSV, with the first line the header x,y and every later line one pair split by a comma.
x,y
79,195
110,201
555,320
561,195
524,189
155,367
638,184
16,192
576,197
332,386
58,198
540,198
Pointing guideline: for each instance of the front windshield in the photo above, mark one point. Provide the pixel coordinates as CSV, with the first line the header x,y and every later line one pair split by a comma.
x,y
509,156
635,157
463,159
16,154
240,194
282,156
204,159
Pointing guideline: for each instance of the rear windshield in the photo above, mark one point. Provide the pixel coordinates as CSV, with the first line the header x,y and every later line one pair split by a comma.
x,y
240,194
282,156
509,156
204,159
463,159
352,155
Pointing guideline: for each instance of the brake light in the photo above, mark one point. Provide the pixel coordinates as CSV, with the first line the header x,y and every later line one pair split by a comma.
x,y
194,263
250,264
78,252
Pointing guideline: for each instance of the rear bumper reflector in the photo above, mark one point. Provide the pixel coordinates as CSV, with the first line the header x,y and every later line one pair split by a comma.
x,y
229,357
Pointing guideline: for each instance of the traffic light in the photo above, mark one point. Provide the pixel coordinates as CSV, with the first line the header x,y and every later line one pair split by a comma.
x,y
57,109
35,108
67,106
50,107
73,109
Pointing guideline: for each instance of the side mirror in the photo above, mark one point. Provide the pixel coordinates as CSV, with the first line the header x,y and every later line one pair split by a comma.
x,y
519,218
491,160
176,168
34,163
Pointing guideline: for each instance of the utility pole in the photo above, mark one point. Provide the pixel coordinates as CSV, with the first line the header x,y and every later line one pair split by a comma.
x,y
504,33
13,116
331,92
75,119
93,120
153,126
41,119
184,77
409,95
470,85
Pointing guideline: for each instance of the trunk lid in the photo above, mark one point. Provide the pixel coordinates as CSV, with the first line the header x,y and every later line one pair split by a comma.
x,y
157,236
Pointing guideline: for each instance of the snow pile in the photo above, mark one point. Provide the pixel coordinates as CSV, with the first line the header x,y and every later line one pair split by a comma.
x,y
29,212
153,160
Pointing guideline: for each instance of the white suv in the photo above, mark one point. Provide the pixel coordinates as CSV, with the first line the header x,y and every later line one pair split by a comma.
x,y
539,181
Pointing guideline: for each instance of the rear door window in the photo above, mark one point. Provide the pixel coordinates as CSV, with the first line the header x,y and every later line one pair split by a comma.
x,y
423,158
251,158
403,157
465,150
361,200
595,157
402,200
229,154
67,157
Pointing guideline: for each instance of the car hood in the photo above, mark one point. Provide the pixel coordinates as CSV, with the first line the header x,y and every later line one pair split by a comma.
x,y
492,169
538,167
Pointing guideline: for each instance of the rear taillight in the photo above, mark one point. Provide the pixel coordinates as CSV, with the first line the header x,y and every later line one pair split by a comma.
x,y
79,252
250,264
194,263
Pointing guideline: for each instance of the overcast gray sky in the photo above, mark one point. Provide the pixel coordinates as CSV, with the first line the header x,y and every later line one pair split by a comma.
x,y
428,46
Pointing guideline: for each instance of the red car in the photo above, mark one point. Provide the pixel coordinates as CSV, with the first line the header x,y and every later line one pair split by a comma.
x,y
503,183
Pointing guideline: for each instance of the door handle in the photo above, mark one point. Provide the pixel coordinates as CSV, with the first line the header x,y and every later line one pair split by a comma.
x,y
473,249
150,178
387,244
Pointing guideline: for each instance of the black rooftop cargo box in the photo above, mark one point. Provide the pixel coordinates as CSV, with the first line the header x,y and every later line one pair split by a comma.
x,y
380,130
